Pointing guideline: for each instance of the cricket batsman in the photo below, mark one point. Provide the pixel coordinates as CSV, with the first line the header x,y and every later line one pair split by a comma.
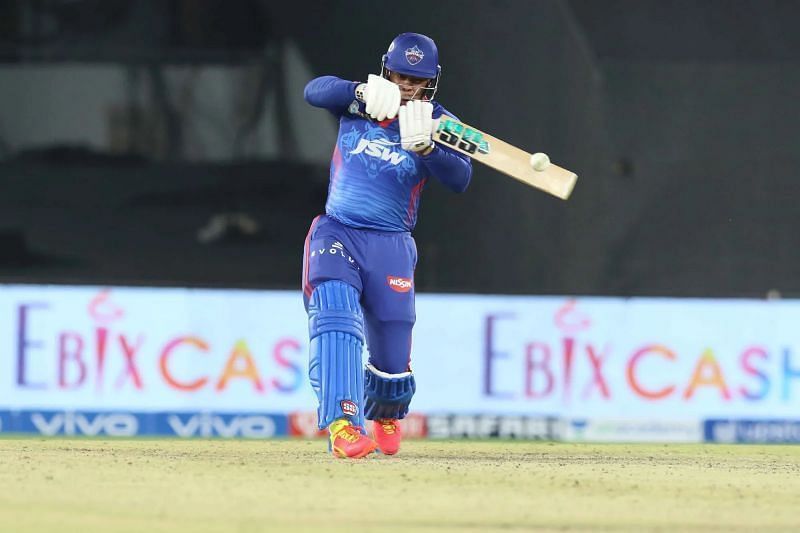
x,y
359,257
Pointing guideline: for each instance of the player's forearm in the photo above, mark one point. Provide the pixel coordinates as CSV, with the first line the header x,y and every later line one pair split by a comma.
x,y
452,170
330,92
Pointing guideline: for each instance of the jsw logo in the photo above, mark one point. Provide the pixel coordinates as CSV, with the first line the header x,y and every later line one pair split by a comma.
x,y
379,148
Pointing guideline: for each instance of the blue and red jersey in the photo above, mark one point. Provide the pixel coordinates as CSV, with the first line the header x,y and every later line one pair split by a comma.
x,y
374,183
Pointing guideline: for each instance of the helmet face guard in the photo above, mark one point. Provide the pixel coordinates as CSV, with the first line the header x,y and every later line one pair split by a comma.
x,y
427,92
414,54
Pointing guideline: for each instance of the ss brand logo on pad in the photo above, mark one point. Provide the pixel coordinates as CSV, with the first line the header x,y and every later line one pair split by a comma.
x,y
349,408
399,284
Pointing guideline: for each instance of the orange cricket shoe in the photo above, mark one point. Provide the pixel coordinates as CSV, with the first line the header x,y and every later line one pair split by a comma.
x,y
387,435
347,441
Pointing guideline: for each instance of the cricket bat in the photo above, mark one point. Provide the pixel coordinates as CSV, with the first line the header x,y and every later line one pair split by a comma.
x,y
504,157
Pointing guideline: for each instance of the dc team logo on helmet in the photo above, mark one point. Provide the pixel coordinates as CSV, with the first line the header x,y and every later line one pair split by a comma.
x,y
414,55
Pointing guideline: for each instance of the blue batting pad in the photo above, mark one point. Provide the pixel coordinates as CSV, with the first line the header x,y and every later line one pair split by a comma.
x,y
336,330
387,395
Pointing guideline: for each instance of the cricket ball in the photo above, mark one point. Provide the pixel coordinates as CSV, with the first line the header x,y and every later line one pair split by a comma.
x,y
539,161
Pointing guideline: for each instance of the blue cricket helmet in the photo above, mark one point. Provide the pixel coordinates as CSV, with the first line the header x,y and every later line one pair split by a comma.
x,y
414,54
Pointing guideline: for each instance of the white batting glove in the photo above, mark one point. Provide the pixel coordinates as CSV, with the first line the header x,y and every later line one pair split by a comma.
x,y
416,125
381,96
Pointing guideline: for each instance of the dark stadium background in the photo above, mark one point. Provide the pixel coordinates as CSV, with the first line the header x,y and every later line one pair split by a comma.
x,y
680,117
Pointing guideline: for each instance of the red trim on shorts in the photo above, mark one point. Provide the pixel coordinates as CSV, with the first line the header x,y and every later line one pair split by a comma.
x,y
307,288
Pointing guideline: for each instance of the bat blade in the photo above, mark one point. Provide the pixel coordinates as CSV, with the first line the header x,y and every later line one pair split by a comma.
x,y
503,157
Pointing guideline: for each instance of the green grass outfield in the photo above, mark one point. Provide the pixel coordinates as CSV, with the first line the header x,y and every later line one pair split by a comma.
x,y
144,486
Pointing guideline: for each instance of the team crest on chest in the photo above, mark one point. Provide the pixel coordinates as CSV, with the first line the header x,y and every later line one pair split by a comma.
x,y
414,55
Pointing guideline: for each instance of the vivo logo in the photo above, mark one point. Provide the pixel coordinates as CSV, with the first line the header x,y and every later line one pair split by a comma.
x,y
112,424
207,425
379,148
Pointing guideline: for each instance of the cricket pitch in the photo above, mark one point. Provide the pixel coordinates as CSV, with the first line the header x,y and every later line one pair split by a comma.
x,y
143,486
